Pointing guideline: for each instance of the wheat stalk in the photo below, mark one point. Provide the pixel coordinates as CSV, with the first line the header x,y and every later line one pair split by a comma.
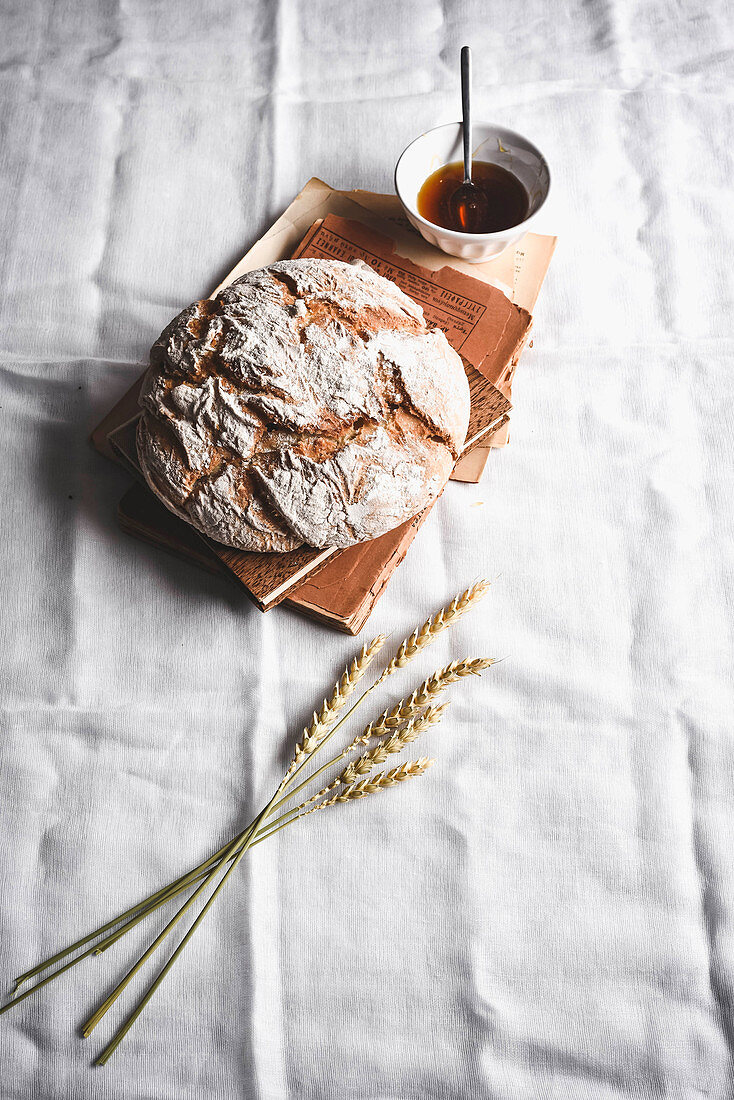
x,y
426,634
324,719
395,728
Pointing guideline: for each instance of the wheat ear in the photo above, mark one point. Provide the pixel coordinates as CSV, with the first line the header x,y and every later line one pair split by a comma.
x,y
424,635
379,782
324,719
393,743
423,695
386,746
387,727
394,717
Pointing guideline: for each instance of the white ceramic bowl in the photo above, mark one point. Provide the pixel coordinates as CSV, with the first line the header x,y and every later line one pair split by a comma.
x,y
442,145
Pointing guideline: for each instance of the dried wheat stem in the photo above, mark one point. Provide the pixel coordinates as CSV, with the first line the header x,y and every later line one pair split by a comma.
x,y
424,635
233,855
324,725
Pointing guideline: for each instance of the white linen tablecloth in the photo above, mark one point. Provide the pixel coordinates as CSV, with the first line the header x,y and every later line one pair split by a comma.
x,y
549,913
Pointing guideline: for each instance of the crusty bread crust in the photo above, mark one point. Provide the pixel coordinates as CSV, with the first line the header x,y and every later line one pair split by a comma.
x,y
309,402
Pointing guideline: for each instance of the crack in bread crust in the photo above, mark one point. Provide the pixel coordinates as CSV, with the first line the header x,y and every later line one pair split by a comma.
x,y
308,402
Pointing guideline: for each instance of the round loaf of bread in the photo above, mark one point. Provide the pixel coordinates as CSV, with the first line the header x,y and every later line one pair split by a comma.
x,y
308,402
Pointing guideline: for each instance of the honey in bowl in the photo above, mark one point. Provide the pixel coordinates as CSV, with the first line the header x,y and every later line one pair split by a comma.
x,y
502,202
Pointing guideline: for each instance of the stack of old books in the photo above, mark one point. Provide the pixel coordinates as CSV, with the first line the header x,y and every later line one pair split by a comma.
x,y
485,311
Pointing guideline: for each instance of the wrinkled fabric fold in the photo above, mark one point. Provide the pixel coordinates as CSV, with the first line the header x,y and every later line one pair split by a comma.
x,y
550,910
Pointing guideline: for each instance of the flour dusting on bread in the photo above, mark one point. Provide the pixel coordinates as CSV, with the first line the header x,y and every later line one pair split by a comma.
x,y
309,402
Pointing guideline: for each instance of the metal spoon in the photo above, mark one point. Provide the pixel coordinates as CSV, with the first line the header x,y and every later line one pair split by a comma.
x,y
468,204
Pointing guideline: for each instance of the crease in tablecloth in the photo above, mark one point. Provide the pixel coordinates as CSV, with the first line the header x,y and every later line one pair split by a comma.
x,y
548,912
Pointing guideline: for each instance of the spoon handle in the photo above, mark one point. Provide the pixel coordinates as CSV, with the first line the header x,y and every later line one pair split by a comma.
x,y
466,108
